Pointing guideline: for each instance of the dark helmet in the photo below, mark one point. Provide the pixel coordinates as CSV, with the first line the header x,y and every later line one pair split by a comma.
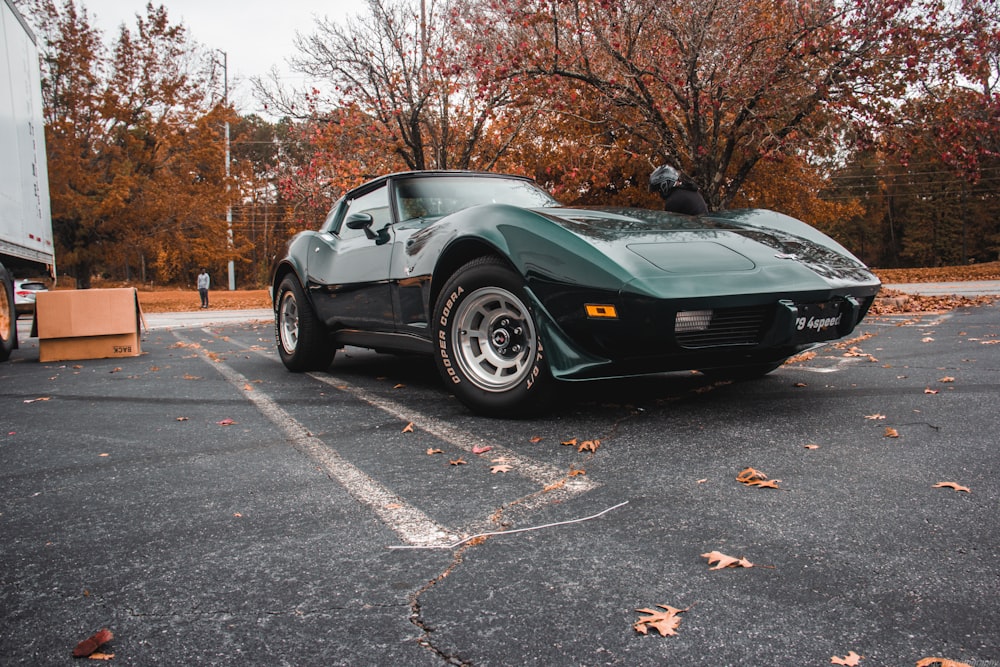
x,y
664,179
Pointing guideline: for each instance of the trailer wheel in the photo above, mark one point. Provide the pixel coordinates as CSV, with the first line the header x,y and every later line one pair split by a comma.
x,y
8,316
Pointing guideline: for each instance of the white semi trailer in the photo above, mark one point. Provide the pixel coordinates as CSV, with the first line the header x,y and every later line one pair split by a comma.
x,y
26,247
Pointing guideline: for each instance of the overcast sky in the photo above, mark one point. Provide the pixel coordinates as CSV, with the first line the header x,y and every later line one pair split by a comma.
x,y
255,34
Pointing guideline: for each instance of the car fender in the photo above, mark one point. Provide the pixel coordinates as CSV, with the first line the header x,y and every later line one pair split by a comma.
x,y
293,260
537,248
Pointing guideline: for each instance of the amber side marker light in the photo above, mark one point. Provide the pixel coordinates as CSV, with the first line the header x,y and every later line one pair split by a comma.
x,y
602,311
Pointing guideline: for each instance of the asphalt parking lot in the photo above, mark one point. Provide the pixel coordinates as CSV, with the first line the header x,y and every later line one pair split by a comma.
x,y
210,508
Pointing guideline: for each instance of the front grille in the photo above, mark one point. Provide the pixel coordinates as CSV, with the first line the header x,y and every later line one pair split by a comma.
x,y
729,326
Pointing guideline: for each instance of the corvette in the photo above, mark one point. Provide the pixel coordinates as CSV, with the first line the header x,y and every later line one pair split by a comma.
x,y
512,293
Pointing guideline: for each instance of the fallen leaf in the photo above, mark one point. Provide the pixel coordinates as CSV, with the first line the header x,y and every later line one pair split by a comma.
x,y
702,481
399,386
535,440
226,422
457,462
499,468
851,659
927,339
554,485
944,662
799,385
408,428
575,472
431,451
588,446
247,387
101,656
928,390
723,561
188,376
182,419
946,379
476,449
237,515
92,643
811,446
875,416
102,455
116,369
571,443
752,477
890,432
665,622
36,400
952,485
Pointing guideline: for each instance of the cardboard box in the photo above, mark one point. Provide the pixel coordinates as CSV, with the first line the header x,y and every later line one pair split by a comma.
x,y
88,324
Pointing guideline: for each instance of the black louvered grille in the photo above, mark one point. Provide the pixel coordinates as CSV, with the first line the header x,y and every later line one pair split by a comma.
x,y
729,326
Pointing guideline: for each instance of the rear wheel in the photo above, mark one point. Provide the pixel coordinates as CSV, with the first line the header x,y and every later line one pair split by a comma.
x,y
487,346
8,316
303,343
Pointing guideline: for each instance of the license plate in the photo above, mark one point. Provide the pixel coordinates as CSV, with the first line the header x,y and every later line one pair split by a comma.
x,y
819,321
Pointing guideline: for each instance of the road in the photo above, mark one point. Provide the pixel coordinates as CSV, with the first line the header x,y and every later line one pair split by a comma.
x,y
969,288
211,508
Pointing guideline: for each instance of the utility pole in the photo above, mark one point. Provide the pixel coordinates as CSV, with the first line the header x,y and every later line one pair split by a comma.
x,y
229,203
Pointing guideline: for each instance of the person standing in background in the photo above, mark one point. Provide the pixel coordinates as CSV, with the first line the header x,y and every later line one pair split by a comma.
x,y
203,284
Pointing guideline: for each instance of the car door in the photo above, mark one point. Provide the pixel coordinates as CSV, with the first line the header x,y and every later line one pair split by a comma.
x,y
348,265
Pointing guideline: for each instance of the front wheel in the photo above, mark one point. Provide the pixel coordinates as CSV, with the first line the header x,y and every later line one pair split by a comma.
x,y
303,343
487,346
8,315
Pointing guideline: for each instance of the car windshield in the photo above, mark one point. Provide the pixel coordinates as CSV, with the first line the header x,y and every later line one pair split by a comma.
x,y
435,196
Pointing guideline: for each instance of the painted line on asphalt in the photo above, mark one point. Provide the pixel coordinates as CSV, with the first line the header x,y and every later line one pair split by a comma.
x,y
410,524
543,474
555,485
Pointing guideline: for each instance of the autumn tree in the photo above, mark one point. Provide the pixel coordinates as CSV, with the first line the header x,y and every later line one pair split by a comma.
x,y
934,157
137,173
402,66
715,86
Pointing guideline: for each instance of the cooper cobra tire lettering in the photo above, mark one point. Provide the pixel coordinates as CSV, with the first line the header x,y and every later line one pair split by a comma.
x,y
488,348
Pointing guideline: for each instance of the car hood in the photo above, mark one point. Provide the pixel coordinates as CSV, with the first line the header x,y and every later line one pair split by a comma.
x,y
733,242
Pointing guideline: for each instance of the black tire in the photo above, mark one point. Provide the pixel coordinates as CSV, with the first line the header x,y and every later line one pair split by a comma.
x,y
486,342
303,342
742,373
8,316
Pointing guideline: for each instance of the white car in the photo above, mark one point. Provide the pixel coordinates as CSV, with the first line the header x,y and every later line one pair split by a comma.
x,y
24,295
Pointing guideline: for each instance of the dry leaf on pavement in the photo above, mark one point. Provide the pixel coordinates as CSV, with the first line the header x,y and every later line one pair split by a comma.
x,y
665,622
952,485
752,477
723,561
851,659
91,644
942,662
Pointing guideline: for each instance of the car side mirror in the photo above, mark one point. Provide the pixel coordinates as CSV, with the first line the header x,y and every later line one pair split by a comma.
x,y
361,221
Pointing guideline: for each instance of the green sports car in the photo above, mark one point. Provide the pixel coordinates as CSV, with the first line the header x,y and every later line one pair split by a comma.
x,y
511,293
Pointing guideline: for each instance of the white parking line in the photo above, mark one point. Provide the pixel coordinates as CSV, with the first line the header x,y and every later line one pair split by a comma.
x,y
410,524
543,474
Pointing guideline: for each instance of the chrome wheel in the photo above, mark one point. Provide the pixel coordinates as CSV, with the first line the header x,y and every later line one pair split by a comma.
x,y
495,338
288,322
